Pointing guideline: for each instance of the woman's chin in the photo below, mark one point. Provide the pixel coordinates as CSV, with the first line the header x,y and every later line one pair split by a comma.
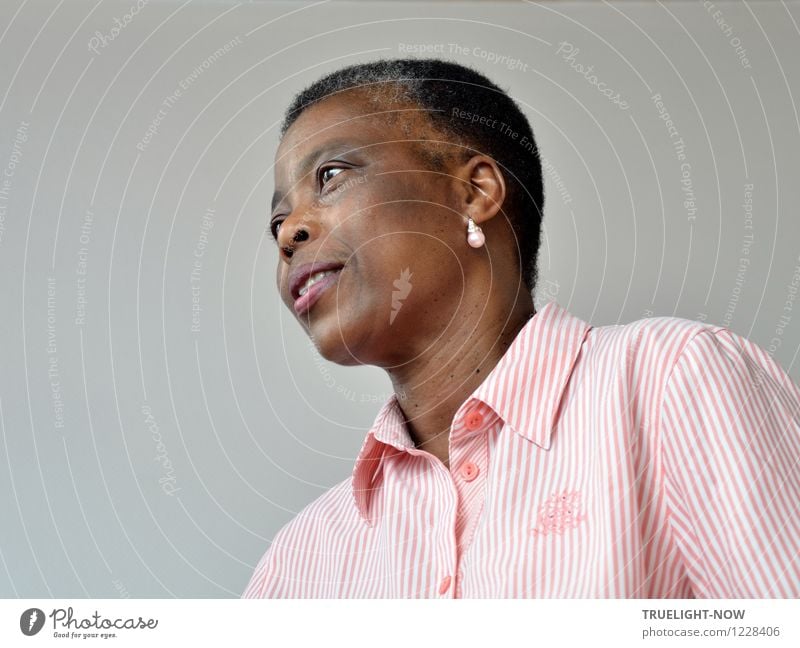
x,y
334,341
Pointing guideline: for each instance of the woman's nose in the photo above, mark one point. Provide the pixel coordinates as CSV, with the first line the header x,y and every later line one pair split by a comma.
x,y
289,238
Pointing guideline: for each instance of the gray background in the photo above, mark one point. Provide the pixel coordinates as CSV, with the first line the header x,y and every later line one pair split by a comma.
x,y
143,458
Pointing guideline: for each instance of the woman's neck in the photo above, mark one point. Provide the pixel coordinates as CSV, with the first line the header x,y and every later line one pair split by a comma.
x,y
432,387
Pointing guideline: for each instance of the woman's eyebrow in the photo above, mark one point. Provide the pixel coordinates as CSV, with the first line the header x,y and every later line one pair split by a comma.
x,y
310,159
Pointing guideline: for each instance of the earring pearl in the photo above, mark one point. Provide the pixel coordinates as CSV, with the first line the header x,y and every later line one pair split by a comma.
x,y
475,236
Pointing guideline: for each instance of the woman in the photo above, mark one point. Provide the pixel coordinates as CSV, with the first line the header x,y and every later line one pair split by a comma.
x,y
523,453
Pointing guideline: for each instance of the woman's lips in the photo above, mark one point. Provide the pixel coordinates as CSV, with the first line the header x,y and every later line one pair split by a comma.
x,y
304,303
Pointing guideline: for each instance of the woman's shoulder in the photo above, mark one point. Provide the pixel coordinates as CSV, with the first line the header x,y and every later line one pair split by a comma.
x,y
664,335
300,543
335,506
645,350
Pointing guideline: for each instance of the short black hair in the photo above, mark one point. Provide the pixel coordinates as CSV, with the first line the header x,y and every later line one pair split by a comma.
x,y
463,103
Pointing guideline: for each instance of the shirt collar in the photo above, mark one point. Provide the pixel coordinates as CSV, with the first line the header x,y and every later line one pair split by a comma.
x,y
524,389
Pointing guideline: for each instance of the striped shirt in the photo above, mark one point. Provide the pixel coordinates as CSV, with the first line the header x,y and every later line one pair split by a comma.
x,y
656,459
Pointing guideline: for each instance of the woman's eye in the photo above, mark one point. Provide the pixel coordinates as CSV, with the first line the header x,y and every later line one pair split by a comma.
x,y
274,226
328,173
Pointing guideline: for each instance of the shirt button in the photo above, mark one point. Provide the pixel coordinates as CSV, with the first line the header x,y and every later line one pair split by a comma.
x,y
444,585
473,420
469,471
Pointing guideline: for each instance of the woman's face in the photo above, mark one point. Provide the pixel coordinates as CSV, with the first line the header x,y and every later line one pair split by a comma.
x,y
371,204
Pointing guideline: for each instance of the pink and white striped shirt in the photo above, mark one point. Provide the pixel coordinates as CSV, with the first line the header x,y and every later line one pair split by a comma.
x,y
656,459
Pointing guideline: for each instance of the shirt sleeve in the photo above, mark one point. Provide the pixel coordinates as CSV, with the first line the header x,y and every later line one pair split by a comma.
x,y
263,582
730,434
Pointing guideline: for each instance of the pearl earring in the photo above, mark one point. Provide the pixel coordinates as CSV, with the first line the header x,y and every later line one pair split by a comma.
x,y
475,236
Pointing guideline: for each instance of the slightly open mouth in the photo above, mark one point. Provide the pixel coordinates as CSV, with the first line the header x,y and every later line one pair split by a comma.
x,y
305,301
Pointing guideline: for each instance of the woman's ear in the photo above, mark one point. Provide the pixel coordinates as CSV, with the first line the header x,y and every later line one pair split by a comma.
x,y
485,188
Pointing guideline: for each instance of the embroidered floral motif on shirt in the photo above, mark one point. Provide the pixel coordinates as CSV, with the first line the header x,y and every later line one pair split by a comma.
x,y
559,513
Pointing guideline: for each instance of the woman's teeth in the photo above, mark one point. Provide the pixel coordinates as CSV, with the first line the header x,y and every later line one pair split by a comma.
x,y
314,279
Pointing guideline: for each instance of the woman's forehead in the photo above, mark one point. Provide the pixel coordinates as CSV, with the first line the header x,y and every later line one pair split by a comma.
x,y
331,117
358,115
341,126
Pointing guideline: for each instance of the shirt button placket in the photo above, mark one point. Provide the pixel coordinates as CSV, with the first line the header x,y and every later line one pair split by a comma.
x,y
473,420
468,471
